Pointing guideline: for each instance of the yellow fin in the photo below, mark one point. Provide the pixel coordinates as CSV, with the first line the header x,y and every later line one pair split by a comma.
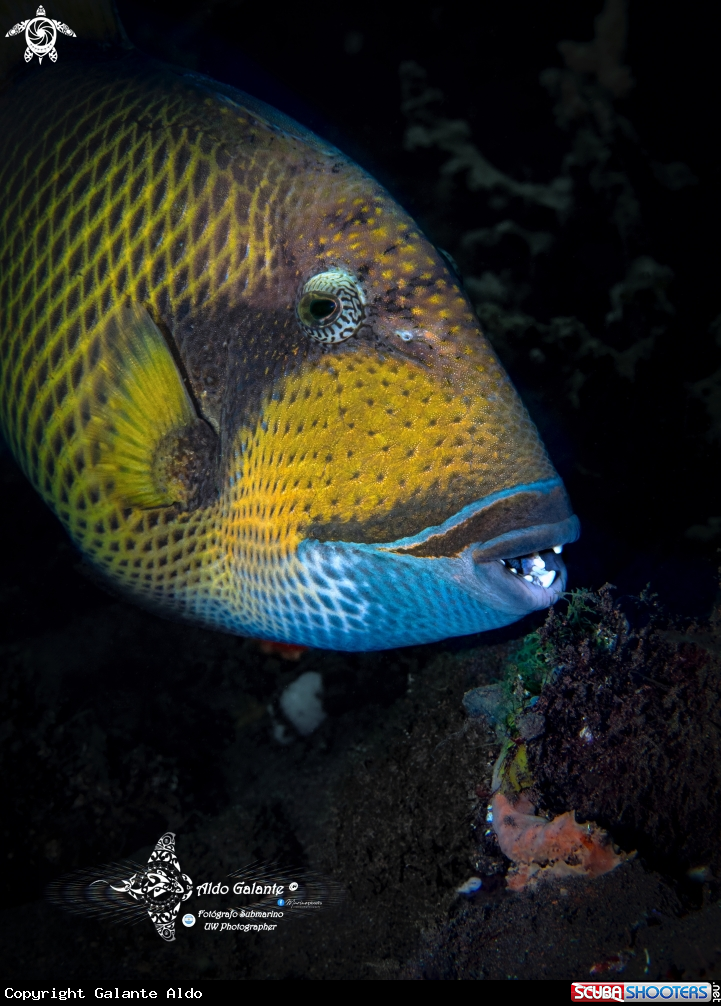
x,y
139,400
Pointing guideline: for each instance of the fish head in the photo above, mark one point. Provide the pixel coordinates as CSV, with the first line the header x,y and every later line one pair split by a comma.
x,y
390,487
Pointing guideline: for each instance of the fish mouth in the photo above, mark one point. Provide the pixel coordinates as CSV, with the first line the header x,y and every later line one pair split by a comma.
x,y
490,564
520,572
531,581
513,546
537,568
532,556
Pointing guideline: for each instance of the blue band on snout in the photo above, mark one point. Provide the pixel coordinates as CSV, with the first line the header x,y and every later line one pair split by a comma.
x,y
545,486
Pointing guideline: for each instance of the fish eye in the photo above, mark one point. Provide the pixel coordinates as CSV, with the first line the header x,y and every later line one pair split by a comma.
x,y
331,306
316,308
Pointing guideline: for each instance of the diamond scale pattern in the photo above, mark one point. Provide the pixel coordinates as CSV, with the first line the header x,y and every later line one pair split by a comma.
x,y
106,199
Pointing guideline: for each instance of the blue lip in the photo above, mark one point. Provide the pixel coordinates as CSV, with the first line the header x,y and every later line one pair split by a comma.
x,y
545,486
528,539
361,597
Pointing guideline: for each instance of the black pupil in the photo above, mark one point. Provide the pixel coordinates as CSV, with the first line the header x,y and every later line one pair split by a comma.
x,y
321,308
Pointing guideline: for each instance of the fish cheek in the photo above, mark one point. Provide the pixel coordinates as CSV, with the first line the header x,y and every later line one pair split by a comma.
x,y
265,347
233,353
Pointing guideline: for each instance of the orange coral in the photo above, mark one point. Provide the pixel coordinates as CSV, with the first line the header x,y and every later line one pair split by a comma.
x,y
542,849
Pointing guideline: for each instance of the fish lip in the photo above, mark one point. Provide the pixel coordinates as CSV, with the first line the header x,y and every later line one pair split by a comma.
x,y
513,592
454,584
524,541
493,555
510,522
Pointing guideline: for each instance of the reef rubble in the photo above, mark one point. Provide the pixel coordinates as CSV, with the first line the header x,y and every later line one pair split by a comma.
x,y
597,711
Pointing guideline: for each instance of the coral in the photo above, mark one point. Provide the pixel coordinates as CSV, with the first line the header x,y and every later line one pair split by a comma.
x,y
643,274
427,128
505,704
596,718
541,849
709,391
628,707
581,270
708,531
602,56
453,136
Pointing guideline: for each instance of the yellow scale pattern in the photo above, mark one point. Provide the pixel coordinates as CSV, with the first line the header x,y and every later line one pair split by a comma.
x,y
362,435
111,200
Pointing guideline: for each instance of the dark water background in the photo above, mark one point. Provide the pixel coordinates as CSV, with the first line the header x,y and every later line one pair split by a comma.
x,y
629,407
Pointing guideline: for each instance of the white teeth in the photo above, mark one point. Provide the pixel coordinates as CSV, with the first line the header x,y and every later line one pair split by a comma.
x,y
558,549
537,574
539,579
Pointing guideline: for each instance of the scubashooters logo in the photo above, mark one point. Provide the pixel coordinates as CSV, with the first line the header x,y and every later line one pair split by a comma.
x,y
41,32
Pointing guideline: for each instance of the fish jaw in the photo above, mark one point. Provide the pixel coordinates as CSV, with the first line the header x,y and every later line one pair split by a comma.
x,y
356,596
306,517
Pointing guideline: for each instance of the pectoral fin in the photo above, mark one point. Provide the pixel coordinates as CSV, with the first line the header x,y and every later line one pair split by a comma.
x,y
146,438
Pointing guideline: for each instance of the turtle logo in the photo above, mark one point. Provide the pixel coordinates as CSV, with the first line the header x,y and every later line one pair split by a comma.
x,y
40,34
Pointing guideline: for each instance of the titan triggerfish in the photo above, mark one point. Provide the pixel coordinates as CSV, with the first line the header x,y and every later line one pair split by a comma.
x,y
249,387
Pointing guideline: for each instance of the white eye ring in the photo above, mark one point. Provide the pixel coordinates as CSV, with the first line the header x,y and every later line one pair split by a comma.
x,y
331,306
